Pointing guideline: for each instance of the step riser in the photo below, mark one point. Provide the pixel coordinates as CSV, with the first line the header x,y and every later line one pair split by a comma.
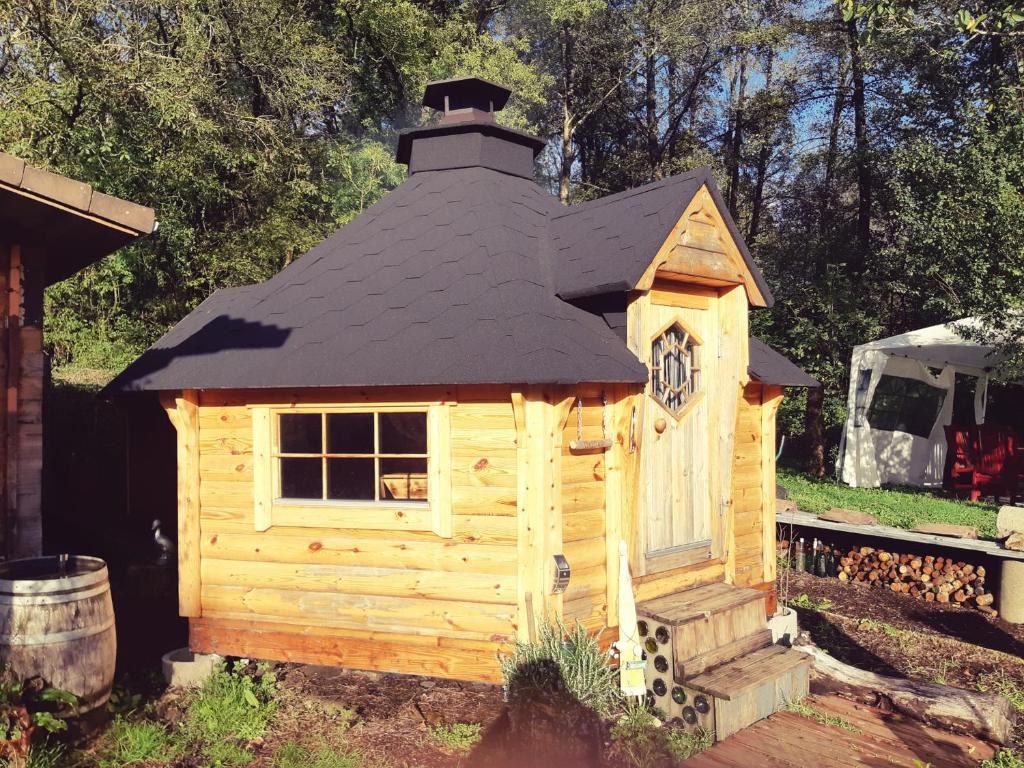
x,y
758,703
704,636
722,654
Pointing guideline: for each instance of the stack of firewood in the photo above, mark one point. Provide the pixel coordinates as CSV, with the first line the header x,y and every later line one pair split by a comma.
x,y
935,579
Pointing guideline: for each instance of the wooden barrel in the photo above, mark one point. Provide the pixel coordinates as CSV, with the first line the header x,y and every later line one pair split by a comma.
x,y
58,623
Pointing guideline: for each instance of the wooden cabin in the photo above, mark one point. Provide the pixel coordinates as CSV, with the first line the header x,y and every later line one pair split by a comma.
x,y
50,227
386,450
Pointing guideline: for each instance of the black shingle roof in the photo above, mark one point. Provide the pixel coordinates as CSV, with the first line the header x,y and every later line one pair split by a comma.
x,y
607,244
442,282
453,278
769,367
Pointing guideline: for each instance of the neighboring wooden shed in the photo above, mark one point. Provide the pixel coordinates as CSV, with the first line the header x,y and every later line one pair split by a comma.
x,y
385,449
50,227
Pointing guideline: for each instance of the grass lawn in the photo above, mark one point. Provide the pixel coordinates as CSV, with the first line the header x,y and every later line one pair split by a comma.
x,y
900,508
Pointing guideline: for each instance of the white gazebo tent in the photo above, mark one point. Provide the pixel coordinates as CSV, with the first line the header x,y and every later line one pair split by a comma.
x,y
906,385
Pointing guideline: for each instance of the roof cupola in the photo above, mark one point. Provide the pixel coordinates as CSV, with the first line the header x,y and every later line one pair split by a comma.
x,y
467,134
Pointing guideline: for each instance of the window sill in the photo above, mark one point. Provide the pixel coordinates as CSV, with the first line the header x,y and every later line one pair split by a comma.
x,y
379,516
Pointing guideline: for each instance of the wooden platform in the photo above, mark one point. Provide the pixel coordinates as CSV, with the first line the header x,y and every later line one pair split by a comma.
x,y
990,548
790,740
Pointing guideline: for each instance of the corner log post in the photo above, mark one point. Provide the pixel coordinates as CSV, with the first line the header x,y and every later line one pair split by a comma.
x,y
183,411
985,715
540,418
771,399
732,378
621,475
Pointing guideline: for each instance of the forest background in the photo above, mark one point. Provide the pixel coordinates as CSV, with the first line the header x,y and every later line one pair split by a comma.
x,y
871,152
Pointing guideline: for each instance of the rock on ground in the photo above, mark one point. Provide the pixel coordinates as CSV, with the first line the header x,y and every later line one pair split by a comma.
x,y
852,516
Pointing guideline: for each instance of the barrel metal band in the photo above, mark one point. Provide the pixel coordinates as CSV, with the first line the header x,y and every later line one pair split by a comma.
x,y
54,597
56,637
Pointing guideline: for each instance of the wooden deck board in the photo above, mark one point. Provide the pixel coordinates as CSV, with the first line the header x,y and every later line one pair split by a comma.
x,y
789,740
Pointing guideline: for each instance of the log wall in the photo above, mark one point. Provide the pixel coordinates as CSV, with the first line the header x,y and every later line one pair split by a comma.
x,y
583,517
355,596
754,486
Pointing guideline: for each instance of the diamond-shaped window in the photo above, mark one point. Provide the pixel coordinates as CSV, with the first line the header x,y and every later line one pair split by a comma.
x,y
675,368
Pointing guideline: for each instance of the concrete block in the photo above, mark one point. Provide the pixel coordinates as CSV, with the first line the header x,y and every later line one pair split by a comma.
x,y
784,626
1011,591
184,669
1009,520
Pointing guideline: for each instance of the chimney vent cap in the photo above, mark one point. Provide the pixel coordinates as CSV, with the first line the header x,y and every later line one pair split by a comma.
x,y
465,93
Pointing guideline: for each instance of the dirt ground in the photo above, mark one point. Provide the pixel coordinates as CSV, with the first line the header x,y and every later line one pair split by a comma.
x,y
389,719
894,634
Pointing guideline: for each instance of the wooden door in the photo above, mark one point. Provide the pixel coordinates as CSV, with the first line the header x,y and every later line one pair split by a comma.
x,y
678,338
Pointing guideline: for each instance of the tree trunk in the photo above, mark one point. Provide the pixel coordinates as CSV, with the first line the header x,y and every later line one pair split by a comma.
x,y
736,137
651,109
827,202
763,158
860,130
985,715
815,426
671,100
565,167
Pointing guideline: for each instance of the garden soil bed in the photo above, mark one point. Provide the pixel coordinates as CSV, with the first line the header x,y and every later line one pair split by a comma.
x,y
894,634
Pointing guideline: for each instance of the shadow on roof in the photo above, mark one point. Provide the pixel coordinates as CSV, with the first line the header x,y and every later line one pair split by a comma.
x,y
222,334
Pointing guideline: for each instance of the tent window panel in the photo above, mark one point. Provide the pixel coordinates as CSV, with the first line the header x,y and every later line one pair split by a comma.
x,y
860,405
905,405
964,389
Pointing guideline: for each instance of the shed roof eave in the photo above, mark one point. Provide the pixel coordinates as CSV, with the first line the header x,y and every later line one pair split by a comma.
x,y
76,197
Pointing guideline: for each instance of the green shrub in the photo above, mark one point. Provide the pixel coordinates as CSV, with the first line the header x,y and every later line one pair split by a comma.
x,y
1006,758
456,736
42,704
226,754
804,709
292,755
39,756
1007,686
682,745
131,742
563,661
639,740
231,707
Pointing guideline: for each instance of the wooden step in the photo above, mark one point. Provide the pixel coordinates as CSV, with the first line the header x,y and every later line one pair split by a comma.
x,y
755,686
729,680
717,623
698,665
699,603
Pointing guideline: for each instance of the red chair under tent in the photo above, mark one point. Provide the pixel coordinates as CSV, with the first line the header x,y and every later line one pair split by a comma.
x,y
985,460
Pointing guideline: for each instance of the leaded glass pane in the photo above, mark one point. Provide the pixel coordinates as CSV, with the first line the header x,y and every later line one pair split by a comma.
x,y
674,368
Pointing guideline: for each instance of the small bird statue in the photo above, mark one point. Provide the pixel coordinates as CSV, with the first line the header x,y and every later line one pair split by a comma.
x,y
163,544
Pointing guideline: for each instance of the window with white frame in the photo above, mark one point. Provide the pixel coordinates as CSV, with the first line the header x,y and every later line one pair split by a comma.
x,y
353,466
675,368
353,456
